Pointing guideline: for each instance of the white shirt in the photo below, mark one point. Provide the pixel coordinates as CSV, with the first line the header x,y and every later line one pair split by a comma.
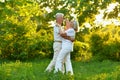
x,y
67,43
57,36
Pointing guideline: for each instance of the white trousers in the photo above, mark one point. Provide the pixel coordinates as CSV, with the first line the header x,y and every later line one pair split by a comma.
x,y
57,47
64,56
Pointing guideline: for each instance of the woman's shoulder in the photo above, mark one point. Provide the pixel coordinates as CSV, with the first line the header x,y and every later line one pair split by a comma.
x,y
71,30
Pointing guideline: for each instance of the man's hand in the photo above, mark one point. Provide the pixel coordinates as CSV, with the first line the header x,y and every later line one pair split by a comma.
x,y
72,39
64,35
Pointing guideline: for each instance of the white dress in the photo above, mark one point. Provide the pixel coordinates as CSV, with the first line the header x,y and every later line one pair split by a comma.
x,y
64,55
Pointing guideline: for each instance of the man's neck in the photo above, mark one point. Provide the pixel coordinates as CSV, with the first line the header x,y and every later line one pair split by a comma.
x,y
58,23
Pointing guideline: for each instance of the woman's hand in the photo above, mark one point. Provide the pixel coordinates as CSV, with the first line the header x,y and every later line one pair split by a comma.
x,y
67,23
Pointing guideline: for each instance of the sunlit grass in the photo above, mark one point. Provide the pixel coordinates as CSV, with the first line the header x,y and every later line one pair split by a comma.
x,y
34,70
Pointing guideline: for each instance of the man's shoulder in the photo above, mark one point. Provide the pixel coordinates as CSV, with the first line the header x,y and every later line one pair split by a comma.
x,y
55,25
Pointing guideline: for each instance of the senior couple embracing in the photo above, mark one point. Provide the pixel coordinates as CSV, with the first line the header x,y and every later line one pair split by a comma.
x,y
63,44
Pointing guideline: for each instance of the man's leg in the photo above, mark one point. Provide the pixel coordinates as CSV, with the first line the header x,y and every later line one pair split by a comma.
x,y
60,60
57,48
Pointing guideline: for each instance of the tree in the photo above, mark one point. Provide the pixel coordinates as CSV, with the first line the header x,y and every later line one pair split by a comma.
x,y
25,29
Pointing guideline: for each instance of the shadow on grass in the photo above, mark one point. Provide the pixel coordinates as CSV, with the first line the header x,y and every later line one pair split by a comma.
x,y
58,76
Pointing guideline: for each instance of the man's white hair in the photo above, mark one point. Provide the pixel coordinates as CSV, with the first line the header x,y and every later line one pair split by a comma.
x,y
59,15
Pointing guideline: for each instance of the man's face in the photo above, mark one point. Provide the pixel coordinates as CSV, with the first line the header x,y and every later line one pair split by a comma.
x,y
60,19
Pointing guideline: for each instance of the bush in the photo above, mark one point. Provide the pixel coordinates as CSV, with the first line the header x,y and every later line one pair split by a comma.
x,y
22,32
105,43
81,51
19,43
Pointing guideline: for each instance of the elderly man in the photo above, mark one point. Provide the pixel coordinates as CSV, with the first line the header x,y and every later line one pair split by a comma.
x,y
57,46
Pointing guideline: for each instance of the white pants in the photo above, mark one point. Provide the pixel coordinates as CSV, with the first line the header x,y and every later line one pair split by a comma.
x,y
64,56
57,47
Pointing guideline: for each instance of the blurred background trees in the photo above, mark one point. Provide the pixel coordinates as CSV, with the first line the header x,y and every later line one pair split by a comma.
x,y
26,28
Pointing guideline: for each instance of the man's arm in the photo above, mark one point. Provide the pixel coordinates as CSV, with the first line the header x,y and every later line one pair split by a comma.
x,y
64,35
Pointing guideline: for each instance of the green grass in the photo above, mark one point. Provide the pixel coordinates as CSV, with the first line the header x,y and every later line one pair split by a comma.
x,y
34,70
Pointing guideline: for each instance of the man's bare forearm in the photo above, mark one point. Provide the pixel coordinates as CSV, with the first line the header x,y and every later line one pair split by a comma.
x,y
64,35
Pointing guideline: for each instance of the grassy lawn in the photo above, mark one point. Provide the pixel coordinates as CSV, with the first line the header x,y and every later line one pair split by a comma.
x,y
34,70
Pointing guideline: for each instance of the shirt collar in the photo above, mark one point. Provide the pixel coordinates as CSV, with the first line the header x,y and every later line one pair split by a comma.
x,y
58,25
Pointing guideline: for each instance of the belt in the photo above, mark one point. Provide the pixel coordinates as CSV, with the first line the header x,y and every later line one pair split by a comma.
x,y
58,41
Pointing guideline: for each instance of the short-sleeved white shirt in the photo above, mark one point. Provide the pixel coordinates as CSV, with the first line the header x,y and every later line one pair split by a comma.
x,y
57,36
70,32
67,43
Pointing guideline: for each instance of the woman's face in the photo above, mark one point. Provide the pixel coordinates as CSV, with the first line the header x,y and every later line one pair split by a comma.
x,y
71,23
68,24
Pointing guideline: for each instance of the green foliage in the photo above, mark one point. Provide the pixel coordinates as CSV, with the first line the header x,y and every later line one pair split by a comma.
x,y
25,31
106,46
19,33
96,43
34,70
81,51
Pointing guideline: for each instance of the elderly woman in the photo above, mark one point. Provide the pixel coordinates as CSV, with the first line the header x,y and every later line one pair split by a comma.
x,y
67,47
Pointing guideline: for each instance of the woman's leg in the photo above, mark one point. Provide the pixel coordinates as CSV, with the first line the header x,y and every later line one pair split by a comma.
x,y
57,47
68,64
